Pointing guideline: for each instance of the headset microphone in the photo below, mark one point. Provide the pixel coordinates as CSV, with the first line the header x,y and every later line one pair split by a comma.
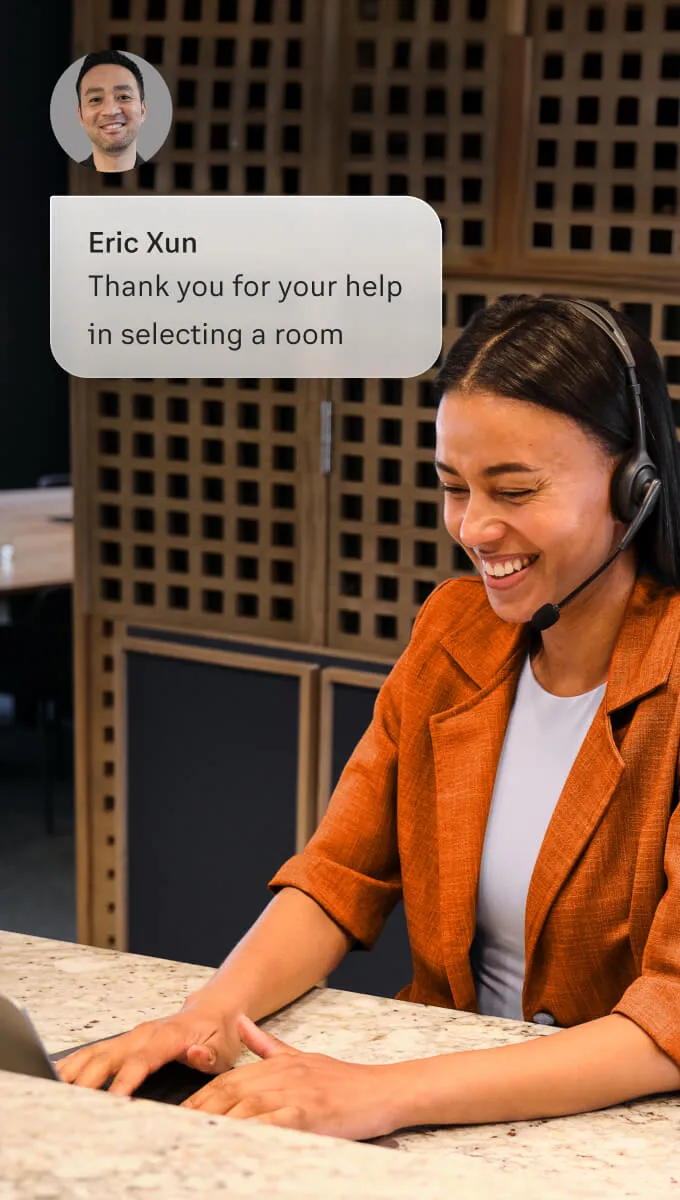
x,y
635,485
546,616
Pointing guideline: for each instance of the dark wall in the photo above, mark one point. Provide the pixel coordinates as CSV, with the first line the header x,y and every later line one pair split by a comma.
x,y
33,389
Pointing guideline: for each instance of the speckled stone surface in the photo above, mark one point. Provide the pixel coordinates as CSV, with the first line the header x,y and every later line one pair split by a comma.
x,y
58,1142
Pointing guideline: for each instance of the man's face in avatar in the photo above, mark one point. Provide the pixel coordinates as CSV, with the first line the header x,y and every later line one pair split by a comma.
x,y
110,110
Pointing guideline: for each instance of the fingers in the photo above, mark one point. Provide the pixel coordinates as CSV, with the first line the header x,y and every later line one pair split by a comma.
x,y
269,1109
67,1068
247,1082
260,1042
93,1065
217,1092
222,1101
266,1107
217,1096
198,1041
216,1051
165,1044
132,1073
128,1058
201,1058
290,1117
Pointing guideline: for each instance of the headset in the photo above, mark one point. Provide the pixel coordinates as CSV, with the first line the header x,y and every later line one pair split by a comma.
x,y
635,486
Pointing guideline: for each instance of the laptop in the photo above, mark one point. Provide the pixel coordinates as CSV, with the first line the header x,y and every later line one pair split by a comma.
x,y
22,1051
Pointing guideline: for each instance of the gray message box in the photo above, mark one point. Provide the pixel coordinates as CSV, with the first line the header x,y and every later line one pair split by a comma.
x,y
245,286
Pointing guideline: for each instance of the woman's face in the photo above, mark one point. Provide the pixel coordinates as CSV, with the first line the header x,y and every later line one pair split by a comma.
x,y
553,503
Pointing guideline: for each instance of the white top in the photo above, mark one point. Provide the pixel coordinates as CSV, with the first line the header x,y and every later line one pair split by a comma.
x,y
543,738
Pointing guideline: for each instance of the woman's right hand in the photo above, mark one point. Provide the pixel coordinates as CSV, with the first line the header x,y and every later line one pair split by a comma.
x,y
200,1036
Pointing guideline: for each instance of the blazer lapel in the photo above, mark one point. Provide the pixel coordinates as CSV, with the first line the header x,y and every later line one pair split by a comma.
x,y
583,801
641,661
467,741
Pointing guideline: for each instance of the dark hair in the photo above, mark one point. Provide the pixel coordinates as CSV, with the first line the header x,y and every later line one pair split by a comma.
x,y
110,56
537,349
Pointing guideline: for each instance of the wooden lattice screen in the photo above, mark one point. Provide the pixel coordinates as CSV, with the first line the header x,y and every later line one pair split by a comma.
x,y
546,138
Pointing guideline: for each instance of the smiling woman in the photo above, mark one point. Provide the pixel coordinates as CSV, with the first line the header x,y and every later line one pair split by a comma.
x,y
503,786
498,519
529,389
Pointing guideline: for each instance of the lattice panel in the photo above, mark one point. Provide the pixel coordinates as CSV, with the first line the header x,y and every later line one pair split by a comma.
x,y
244,76
603,154
388,545
413,84
104,782
417,99
203,504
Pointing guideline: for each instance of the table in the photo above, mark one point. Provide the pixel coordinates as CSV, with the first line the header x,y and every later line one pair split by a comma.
x,y
92,1145
43,547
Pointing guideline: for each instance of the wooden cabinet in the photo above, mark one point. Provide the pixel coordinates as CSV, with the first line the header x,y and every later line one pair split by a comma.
x,y
229,752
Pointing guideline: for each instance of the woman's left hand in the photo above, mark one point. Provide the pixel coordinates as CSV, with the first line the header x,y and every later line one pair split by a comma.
x,y
299,1090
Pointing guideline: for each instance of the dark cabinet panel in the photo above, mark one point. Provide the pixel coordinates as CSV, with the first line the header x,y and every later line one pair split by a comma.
x,y
387,968
213,797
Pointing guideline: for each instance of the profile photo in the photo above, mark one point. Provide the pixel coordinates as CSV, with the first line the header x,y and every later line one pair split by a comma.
x,y
111,111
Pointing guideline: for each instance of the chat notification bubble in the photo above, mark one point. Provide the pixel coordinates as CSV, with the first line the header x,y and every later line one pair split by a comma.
x,y
245,286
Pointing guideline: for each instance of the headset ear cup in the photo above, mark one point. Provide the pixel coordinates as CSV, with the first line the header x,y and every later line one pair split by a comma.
x,y
622,489
629,484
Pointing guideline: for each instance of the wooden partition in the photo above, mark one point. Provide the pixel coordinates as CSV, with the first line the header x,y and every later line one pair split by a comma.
x,y
546,137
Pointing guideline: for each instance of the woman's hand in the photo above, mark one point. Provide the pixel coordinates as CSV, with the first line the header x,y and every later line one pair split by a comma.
x,y
200,1036
299,1090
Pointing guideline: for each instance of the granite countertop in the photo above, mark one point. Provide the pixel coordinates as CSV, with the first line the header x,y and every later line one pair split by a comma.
x,y
58,1142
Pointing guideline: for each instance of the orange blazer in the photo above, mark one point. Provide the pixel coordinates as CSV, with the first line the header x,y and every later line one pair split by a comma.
x,y
409,813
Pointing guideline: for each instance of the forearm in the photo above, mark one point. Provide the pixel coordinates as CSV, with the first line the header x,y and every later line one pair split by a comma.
x,y
580,1069
290,948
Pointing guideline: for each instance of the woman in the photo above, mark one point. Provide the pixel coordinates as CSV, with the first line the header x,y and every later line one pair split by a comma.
x,y
517,788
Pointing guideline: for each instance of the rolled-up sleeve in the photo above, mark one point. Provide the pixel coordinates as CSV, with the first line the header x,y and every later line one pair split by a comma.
x,y
350,865
653,999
